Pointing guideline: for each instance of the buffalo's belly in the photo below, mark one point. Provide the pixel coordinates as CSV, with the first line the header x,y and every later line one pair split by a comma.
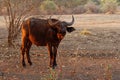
x,y
38,41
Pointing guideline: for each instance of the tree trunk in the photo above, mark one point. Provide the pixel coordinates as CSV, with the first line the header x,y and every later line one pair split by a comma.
x,y
10,36
10,42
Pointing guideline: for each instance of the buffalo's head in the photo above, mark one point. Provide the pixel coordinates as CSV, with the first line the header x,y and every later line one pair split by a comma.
x,y
61,27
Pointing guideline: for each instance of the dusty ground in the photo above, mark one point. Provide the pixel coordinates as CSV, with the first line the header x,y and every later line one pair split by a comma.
x,y
80,57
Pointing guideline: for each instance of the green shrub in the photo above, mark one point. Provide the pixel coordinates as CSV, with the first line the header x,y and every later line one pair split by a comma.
x,y
48,6
109,6
71,3
96,1
118,2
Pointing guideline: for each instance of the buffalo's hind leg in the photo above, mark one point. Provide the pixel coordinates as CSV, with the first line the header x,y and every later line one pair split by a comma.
x,y
23,46
23,56
29,44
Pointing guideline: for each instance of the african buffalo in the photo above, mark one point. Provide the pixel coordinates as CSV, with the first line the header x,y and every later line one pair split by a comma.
x,y
43,32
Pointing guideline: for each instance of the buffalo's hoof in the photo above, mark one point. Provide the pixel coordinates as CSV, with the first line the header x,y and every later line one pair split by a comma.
x,y
30,63
53,66
23,64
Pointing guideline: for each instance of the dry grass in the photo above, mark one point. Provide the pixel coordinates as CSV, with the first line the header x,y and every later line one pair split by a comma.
x,y
85,32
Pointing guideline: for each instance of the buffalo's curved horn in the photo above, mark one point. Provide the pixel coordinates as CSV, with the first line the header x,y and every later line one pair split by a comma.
x,y
51,23
70,23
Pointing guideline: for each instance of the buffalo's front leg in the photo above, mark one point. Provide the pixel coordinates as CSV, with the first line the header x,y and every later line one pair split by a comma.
x,y
51,55
55,54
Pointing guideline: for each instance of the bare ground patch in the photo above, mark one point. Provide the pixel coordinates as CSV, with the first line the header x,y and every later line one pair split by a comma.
x,y
80,57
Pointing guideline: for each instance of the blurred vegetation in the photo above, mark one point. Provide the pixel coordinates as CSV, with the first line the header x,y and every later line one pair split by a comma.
x,y
109,6
48,6
91,7
70,3
118,2
71,6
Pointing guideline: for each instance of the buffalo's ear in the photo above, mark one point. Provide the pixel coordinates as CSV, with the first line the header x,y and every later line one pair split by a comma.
x,y
70,29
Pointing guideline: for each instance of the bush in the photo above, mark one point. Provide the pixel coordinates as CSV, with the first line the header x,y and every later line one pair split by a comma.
x,y
48,6
79,9
118,1
91,7
109,6
96,1
70,3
